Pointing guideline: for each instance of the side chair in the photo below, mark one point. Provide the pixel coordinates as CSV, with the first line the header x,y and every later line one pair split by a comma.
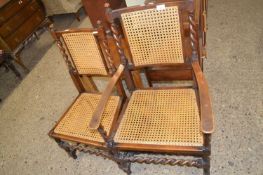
x,y
86,53
157,122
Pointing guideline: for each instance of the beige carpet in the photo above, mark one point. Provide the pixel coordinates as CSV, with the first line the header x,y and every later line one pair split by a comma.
x,y
234,72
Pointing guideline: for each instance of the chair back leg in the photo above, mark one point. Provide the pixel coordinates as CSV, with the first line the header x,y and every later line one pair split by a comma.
x,y
206,160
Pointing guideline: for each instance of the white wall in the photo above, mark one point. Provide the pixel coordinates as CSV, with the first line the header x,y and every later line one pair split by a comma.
x,y
134,2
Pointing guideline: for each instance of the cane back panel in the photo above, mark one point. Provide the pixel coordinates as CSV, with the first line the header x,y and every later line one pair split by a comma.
x,y
76,120
85,52
154,36
161,117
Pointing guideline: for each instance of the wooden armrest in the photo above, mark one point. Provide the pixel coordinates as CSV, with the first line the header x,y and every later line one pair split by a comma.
x,y
207,117
97,114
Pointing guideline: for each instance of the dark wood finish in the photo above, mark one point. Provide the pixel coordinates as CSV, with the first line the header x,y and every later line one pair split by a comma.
x,y
186,16
21,34
178,150
103,149
88,83
100,35
23,15
200,11
104,48
203,22
6,61
3,2
18,58
179,72
116,57
19,20
170,74
190,70
96,11
76,77
125,154
10,9
183,6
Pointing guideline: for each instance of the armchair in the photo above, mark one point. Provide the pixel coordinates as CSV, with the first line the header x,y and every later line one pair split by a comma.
x,y
160,120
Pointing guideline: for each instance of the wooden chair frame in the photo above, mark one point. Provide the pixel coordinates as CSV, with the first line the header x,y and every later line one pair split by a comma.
x,y
73,144
75,75
128,153
181,72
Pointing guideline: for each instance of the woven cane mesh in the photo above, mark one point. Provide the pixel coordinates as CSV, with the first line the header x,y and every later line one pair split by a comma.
x,y
76,121
154,36
162,117
85,52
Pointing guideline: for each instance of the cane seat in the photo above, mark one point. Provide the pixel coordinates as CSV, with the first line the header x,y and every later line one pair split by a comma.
x,y
161,117
74,123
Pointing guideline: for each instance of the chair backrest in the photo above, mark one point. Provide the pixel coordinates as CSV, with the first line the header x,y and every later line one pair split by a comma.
x,y
158,34
154,36
84,50
201,7
86,53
